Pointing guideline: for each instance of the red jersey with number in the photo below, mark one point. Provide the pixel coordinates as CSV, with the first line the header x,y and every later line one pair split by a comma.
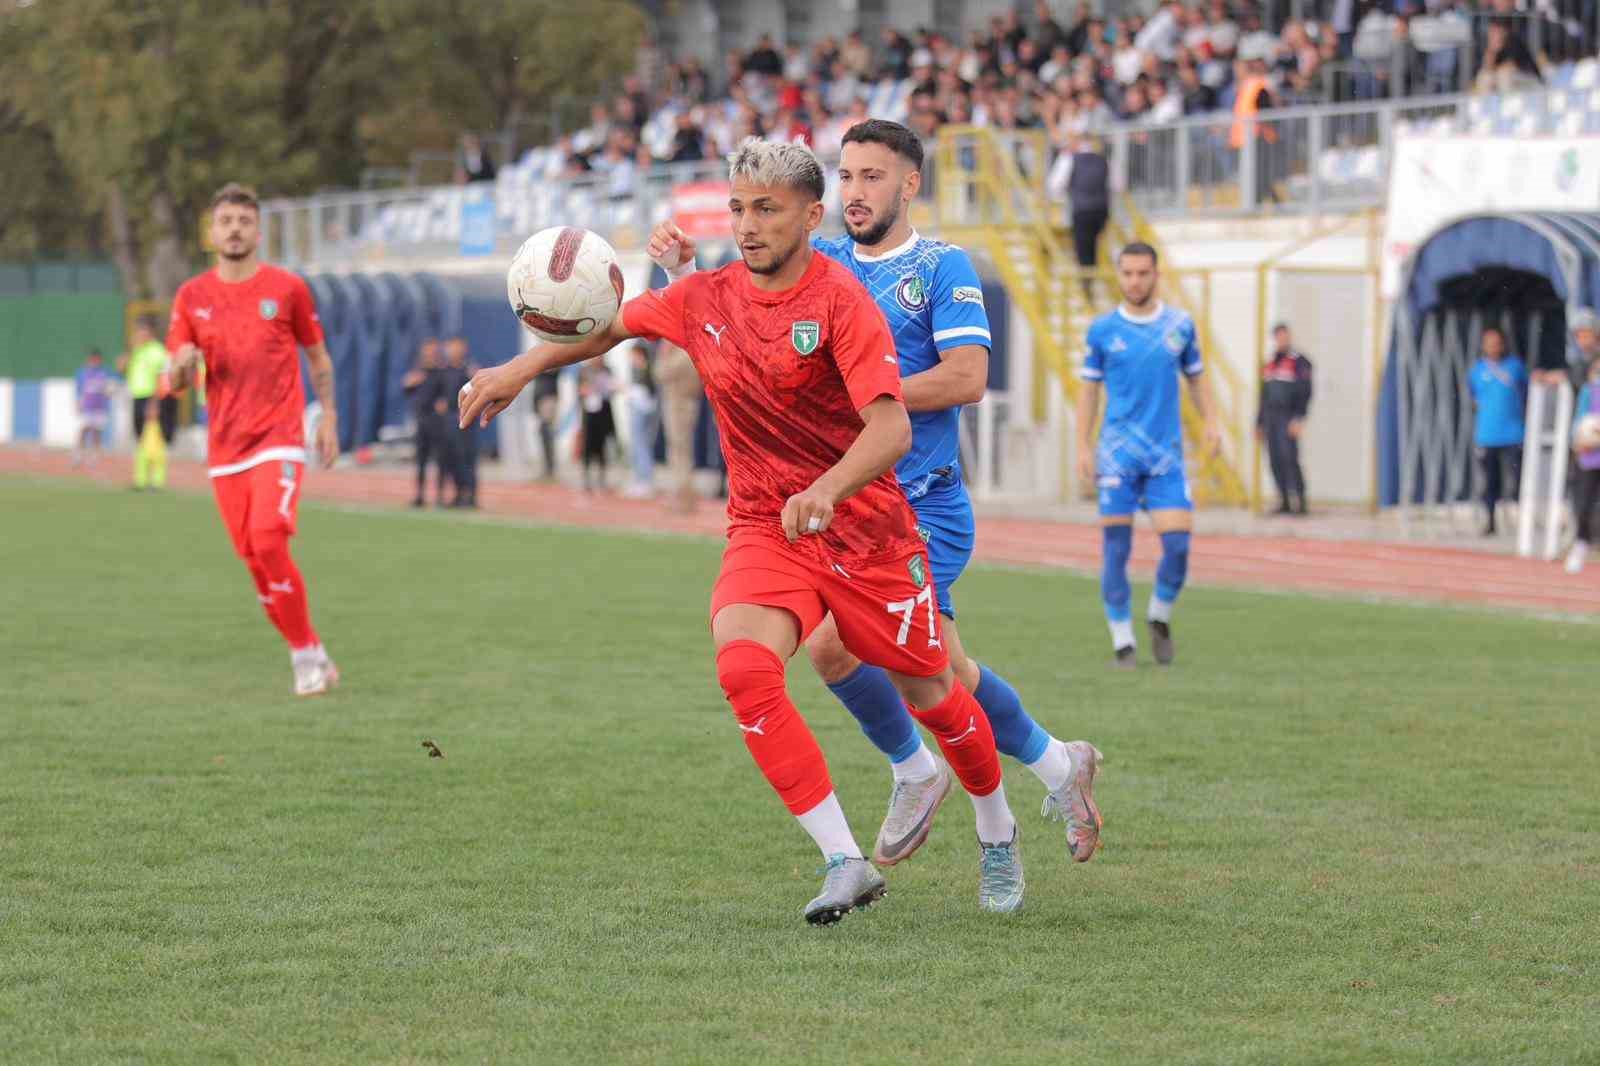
x,y
787,373
250,334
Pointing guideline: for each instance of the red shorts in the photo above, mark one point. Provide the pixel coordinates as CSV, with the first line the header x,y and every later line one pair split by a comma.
x,y
261,500
887,613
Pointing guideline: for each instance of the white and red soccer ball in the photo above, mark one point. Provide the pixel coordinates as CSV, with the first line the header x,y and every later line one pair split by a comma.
x,y
564,284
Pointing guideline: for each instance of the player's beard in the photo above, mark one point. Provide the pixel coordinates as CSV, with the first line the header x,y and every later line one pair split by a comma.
x,y
246,251
1136,305
779,259
874,232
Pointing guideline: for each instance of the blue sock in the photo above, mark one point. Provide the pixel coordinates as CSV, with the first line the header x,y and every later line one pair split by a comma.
x,y
1115,591
1172,571
1015,734
872,698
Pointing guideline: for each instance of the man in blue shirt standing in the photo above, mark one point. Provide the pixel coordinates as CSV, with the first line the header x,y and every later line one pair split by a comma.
x,y
933,300
1136,354
1499,384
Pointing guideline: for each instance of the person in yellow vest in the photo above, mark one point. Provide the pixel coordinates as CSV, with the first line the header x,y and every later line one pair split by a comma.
x,y
155,411
1255,96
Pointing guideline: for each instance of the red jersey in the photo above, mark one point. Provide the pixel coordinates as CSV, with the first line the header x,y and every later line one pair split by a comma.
x,y
786,373
249,333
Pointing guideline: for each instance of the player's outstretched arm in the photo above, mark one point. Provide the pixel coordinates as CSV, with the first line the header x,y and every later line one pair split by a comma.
x,y
885,438
492,389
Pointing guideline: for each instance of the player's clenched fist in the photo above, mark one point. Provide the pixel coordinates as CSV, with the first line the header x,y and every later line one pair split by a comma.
x,y
670,248
810,511
488,393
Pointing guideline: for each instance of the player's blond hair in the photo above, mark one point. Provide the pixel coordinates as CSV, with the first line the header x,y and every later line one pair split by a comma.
x,y
767,163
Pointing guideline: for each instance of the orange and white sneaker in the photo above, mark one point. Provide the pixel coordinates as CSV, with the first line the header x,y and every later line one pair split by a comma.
x,y
1074,804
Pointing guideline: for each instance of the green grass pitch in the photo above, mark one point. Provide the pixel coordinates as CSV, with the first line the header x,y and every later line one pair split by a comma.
x,y
1335,832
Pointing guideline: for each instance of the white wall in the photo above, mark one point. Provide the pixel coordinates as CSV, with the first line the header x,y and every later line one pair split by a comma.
x,y
1335,316
5,411
58,411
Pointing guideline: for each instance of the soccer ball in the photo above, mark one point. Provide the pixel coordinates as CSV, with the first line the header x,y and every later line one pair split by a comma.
x,y
564,284
1587,437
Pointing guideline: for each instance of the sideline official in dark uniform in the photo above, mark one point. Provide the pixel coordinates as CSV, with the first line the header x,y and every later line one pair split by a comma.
x,y
1281,419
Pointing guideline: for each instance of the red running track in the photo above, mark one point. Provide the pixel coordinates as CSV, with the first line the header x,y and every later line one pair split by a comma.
x,y
1400,571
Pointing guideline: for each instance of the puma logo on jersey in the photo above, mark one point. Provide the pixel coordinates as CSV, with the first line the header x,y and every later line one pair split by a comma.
x,y
891,360
716,332
972,727
756,729
285,587
203,312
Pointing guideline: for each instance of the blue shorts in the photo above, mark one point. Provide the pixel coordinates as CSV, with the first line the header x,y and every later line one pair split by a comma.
x,y
1128,487
946,525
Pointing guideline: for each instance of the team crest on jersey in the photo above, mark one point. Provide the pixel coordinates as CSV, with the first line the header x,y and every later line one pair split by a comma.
x,y
269,310
1175,342
925,534
919,573
804,336
288,470
912,293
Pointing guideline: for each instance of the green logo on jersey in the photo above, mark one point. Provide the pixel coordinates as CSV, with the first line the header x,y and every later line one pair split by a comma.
x,y
911,293
919,574
269,309
922,531
804,336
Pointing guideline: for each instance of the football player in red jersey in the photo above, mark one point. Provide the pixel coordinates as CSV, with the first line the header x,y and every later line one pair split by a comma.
x,y
800,369
246,321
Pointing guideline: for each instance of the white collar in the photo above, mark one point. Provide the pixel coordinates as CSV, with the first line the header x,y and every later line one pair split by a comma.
x,y
1144,320
862,257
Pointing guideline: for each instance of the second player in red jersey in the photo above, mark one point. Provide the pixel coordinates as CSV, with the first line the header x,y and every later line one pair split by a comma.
x,y
801,373
247,321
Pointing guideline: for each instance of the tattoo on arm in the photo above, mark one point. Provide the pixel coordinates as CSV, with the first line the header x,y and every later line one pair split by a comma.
x,y
322,384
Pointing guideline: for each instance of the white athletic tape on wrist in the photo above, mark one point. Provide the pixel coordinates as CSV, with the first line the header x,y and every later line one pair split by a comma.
x,y
682,270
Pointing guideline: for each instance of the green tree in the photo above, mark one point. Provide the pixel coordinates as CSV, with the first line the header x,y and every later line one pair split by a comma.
x,y
150,105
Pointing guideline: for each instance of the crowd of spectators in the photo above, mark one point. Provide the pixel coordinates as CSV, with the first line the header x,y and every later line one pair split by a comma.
x,y
1081,74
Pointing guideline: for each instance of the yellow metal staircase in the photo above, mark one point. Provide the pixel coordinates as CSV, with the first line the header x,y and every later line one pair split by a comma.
x,y
990,196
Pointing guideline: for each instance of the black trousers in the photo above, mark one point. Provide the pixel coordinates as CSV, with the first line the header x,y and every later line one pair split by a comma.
x,y
1283,452
167,416
1502,474
1086,229
437,440
1585,502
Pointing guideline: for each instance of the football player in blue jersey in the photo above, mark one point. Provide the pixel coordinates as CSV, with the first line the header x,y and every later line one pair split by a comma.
x,y
933,300
1136,354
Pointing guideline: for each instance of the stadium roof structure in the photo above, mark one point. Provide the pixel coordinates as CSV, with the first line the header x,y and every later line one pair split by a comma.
x,y
1522,271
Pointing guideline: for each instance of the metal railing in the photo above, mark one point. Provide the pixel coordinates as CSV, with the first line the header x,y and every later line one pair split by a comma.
x,y
1292,160
346,229
1296,160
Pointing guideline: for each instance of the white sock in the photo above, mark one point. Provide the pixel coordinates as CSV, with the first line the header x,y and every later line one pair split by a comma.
x,y
825,822
918,767
995,823
304,655
1054,767
1122,633
1160,609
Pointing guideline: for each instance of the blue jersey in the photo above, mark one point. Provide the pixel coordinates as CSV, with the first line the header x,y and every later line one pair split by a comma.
x,y
1139,360
930,293
1499,390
